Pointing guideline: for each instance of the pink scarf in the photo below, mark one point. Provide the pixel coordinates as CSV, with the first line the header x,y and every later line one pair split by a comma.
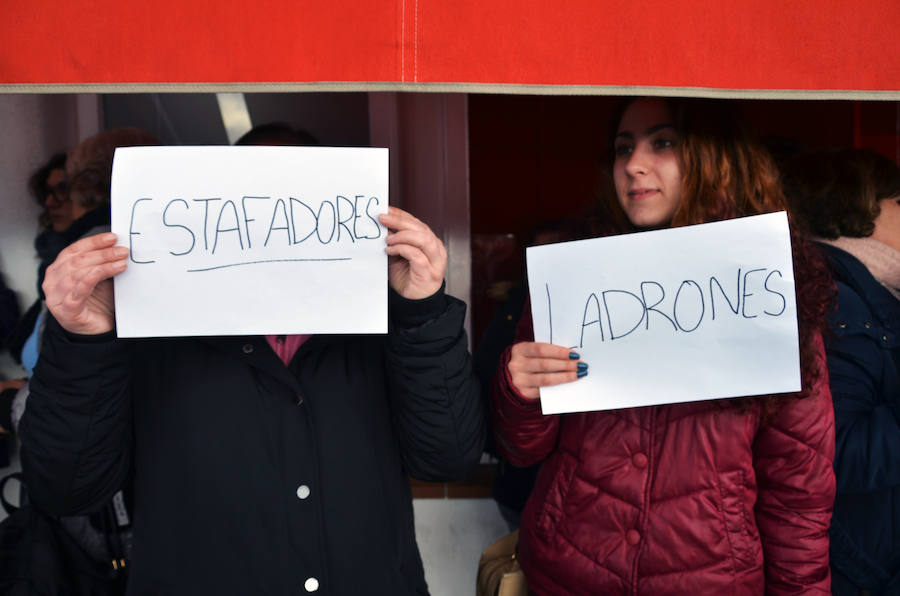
x,y
882,261
285,346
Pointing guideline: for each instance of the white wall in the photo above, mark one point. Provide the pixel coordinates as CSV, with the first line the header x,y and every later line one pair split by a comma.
x,y
451,534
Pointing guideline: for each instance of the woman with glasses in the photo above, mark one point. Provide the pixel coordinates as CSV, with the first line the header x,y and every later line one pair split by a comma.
x,y
73,189
62,222
47,187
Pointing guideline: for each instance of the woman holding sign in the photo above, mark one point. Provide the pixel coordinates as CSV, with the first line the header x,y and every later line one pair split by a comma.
x,y
705,497
268,465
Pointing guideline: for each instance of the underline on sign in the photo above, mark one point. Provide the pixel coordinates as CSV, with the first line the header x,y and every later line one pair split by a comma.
x,y
268,261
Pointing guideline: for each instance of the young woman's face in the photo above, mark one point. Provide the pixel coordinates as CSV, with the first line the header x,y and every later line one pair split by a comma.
x,y
646,170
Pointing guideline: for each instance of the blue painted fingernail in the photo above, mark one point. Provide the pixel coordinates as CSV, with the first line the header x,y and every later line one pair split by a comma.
x,y
574,356
582,366
582,373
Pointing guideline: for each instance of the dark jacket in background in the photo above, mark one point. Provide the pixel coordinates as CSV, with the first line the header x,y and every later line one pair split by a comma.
x,y
9,310
252,477
512,484
863,361
48,245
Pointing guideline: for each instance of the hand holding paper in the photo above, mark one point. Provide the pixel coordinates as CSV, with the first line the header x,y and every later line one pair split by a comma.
x,y
682,314
534,365
418,259
78,287
250,240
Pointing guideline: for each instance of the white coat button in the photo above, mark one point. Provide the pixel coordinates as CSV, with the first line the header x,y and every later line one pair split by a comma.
x,y
311,585
303,491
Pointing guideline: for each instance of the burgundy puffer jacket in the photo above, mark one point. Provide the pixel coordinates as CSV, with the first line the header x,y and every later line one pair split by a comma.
x,y
695,498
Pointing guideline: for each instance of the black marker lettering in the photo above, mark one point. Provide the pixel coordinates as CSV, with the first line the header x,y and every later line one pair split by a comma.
x,y
612,334
342,223
220,230
747,295
185,228
779,294
294,221
689,282
550,312
205,218
319,221
647,309
132,234
356,214
247,219
272,225
586,323
374,221
737,295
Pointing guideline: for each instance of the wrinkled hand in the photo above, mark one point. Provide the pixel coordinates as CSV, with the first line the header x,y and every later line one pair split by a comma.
x,y
78,287
417,260
534,365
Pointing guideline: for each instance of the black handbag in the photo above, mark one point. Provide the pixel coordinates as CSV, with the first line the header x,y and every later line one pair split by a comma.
x,y
39,557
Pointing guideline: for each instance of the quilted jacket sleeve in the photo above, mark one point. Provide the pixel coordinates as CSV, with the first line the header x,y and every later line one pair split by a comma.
x,y
523,434
76,430
794,455
435,396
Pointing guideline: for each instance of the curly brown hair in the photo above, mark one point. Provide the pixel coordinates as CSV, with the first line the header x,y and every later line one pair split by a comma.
x,y
727,173
836,191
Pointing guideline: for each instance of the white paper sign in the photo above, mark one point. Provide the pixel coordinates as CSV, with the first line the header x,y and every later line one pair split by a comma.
x,y
250,240
684,314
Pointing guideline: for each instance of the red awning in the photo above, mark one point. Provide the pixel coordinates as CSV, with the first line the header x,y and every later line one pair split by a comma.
x,y
825,47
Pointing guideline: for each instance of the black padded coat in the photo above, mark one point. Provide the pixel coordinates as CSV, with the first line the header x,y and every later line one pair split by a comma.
x,y
252,477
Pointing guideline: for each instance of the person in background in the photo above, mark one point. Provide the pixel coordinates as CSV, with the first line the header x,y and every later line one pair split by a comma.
x,y
77,206
711,497
513,484
47,187
850,201
63,220
74,191
9,310
277,134
9,313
